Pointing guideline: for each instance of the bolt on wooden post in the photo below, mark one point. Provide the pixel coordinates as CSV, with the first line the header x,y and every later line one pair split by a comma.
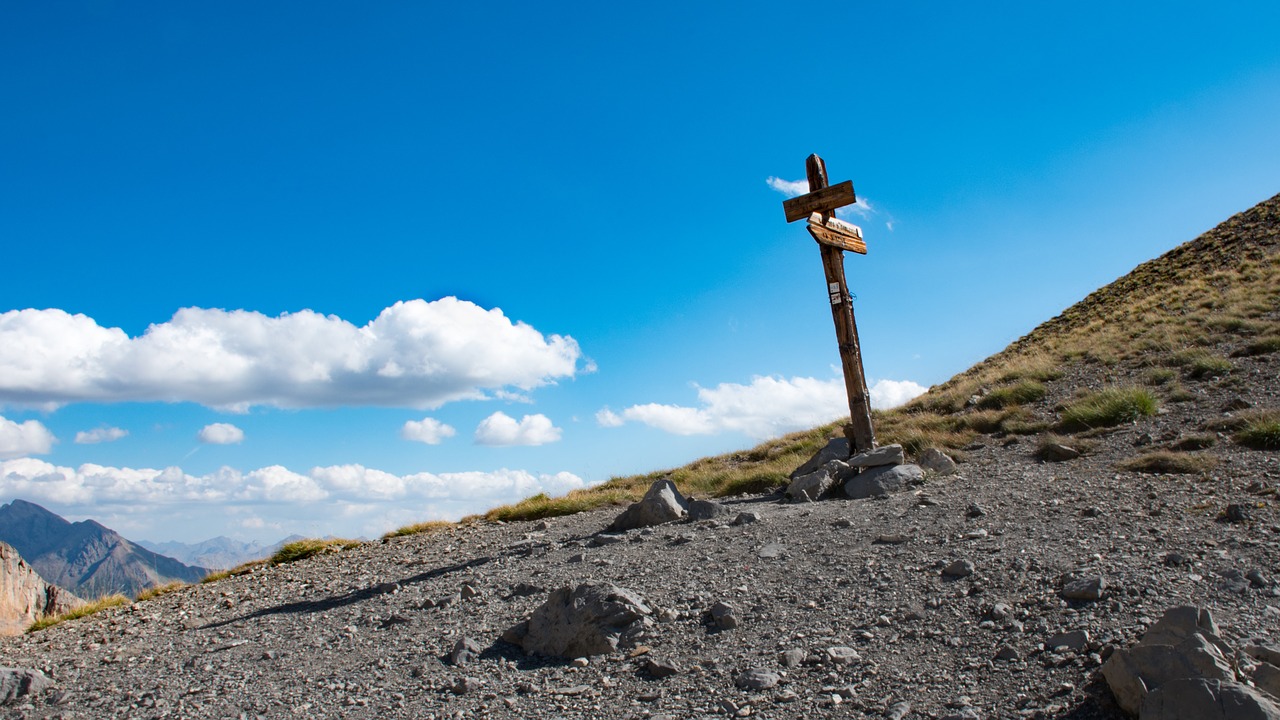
x,y
834,237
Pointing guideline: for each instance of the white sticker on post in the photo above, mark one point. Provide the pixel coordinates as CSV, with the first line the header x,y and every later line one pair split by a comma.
x,y
833,288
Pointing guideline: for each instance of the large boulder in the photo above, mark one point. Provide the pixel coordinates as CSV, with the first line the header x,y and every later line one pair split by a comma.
x,y
591,619
662,503
17,683
934,460
1183,644
818,483
882,480
25,597
1203,699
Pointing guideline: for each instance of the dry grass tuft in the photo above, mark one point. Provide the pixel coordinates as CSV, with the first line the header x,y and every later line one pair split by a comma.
x,y
1165,462
430,527
1107,408
85,610
158,590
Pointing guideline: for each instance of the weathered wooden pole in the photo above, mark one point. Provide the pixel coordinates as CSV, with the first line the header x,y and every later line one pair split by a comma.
x,y
859,431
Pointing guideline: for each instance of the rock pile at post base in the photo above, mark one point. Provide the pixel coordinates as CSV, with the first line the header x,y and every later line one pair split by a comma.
x,y
873,473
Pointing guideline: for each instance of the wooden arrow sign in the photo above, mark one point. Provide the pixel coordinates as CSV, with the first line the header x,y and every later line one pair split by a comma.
x,y
824,201
837,233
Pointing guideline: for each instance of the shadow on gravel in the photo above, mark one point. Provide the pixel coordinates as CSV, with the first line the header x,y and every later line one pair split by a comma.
x,y
354,596
1099,704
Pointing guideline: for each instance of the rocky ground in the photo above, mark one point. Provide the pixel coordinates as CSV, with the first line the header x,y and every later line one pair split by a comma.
x,y
849,603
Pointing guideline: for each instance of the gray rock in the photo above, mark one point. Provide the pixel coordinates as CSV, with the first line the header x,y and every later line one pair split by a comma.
x,y
746,518
842,655
1057,452
882,480
771,551
661,668
1263,651
1075,640
974,511
662,503
1204,699
813,486
835,449
958,569
723,616
17,683
758,679
464,651
591,619
934,460
1132,673
706,510
1008,652
886,455
1089,588
898,710
1267,677
464,685
792,658
1181,622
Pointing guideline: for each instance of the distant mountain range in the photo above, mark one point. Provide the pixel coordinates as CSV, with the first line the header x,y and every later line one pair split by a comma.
x,y
220,553
85,557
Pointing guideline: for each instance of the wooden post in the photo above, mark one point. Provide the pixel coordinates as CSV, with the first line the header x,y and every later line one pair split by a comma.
x,y
859,431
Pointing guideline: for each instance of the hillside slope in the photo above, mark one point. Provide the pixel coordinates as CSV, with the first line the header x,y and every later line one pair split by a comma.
x,y
1166,393
85,557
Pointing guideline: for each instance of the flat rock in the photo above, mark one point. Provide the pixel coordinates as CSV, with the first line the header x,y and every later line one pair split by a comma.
x,y
936,461
882,480
835,449
884,455
1089,588
1205,699
758,679
707,510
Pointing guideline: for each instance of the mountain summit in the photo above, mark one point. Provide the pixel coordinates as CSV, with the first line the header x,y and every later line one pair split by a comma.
x,y
85,557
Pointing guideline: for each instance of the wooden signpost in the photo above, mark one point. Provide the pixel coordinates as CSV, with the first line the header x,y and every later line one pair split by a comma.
x,y
834,237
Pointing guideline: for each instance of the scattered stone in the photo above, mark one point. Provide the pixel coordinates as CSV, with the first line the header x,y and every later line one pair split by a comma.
x,y
603,539
1089,588
1074,639
815,485
542,526
882,480
591,619
662,503
1057,452
706,510
1236,513
959,569
1183,644
464,685
746,518
842,655
1008,653
525,589
18,683
579,662
468,591
1257,579
934,460
842,523
758,679
661,668
465,650
771,551
792,658
1092,511
723,616
974,511
898,710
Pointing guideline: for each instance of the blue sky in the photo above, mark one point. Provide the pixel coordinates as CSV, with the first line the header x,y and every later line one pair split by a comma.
x,y
328,268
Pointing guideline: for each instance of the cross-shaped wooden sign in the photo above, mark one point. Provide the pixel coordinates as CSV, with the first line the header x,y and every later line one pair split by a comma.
x,y
834,237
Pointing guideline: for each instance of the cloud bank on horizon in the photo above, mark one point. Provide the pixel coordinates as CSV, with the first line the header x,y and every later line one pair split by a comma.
x,y
414,354
767,408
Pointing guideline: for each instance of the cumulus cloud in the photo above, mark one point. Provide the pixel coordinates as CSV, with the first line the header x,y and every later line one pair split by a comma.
x,y
100,435
322,494
766,408
414,354
427,430
502,429
220,434
27,438
887,394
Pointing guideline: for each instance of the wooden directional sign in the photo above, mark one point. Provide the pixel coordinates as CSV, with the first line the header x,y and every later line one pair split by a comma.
x,y
837,233
823,200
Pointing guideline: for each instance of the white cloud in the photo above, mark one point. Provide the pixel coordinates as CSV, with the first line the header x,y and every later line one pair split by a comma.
x,y
502,429
275,498
790,188
220,434
608,418
767,408
427,430
414,354
27,438
887,394
100,435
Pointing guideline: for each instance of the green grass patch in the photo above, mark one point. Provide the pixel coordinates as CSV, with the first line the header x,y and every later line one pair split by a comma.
x,y
1261,431
85,610
429,527
158,590
1194,442
303,549
1159,376
1264,346
1165,462
1012,395
1106,408
1209,366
